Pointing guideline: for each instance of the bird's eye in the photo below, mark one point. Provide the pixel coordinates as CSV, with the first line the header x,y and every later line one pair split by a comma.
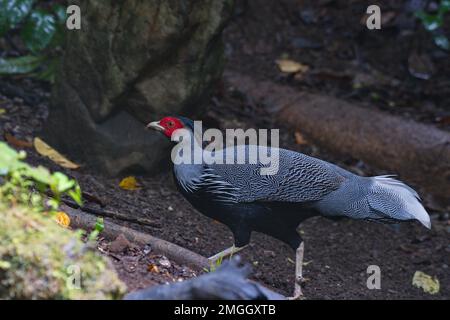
x,y
170,124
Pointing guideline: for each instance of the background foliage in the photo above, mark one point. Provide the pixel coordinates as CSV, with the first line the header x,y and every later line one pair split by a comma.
x,y
433,23
40,25
37,254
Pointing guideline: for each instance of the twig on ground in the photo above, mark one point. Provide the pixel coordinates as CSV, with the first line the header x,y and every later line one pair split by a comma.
x,y
112,214
86,221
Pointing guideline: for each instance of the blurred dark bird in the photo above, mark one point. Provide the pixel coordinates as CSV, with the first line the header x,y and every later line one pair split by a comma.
x,y
246,200
228,282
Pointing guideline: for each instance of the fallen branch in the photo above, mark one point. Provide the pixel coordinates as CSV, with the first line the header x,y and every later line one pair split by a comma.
x,y
112,214
419,153
86,221
82,220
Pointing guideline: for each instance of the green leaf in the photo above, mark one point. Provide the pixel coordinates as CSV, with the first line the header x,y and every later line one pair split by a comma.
x,y
93,236
62,182
61,16
40,174
39,30
53,204
6,158
48,72
442,42
20,180
7,153
431,22
41,187
444,6
60,13
20,65
99,225
13,12
10,159
76,195
5,264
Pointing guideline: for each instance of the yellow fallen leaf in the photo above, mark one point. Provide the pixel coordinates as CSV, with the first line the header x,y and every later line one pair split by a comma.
x,y
45,150
291,66
300,139
2,111
129,183
153,268
63,219
428,283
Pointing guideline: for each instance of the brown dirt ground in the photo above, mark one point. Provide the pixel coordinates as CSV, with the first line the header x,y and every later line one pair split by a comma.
x,y
345,59
337,253
139,267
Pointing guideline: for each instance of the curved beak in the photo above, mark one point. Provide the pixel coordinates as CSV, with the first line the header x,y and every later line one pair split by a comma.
x,y
155,126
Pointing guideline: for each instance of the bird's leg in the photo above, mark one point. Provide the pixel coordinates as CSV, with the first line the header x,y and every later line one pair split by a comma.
x,y
225,253
298,272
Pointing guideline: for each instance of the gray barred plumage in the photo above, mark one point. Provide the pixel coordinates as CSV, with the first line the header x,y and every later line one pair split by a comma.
x,y
329,189
246,200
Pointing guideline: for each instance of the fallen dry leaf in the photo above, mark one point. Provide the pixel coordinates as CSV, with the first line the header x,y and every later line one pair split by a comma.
x,y
129,183
428,283
2,111
300,139
45,150
63,219
153,268
13,141
291,66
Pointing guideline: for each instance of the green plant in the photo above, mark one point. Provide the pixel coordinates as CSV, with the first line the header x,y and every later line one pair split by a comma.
x,y
214,265
38,258
98,228
23,184
41,29
432,22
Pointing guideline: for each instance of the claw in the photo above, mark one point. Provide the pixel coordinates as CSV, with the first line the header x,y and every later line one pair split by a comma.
x,y
298,294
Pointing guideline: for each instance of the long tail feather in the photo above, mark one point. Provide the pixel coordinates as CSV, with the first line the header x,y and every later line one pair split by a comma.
x,y
394,199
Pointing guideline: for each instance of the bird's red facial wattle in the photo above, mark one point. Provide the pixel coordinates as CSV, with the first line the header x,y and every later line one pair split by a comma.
x,y
166,125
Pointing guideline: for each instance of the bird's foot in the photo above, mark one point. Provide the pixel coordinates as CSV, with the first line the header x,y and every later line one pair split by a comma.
x,y
298,294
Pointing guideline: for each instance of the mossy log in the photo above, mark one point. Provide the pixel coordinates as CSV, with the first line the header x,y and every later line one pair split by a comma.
x,y
82,220
40,259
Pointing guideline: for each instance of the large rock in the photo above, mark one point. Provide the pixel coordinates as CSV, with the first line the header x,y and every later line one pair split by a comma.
x,y
133,61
